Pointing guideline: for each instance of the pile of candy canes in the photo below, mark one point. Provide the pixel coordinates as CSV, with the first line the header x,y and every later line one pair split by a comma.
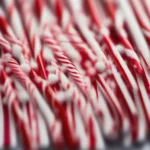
x,y
74,73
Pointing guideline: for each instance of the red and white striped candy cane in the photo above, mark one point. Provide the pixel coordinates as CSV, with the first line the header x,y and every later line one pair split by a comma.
x,y
135,31
129,103
35,95
44,140
142,122
119,22
12,102
144,99
32,33
32,112
9,133
113,100
4,24
142,18
17,47
5,45
15,20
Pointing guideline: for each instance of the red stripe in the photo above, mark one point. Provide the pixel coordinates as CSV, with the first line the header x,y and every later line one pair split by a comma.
x,y
7,139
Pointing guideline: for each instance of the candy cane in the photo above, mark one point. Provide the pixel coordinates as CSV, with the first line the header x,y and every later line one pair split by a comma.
x,y
44,139
4,25
129,51
17,47
32,115
31,29
142,18
144,98
15,20
146,5
11,100
135,31
64,60
17,25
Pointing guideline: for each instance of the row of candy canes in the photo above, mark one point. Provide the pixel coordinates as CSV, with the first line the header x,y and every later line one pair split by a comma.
x,y
68,42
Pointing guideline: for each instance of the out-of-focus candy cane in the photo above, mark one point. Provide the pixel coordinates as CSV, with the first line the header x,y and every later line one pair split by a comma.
x,y
31,30
118,20
135,31
142,18
146,4
11,104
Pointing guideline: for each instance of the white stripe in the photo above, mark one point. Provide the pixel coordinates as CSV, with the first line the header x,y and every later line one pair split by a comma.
x,y
65,18
102,106
119,20
13,136
43,133
80,129
99,138
44,108
25,114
